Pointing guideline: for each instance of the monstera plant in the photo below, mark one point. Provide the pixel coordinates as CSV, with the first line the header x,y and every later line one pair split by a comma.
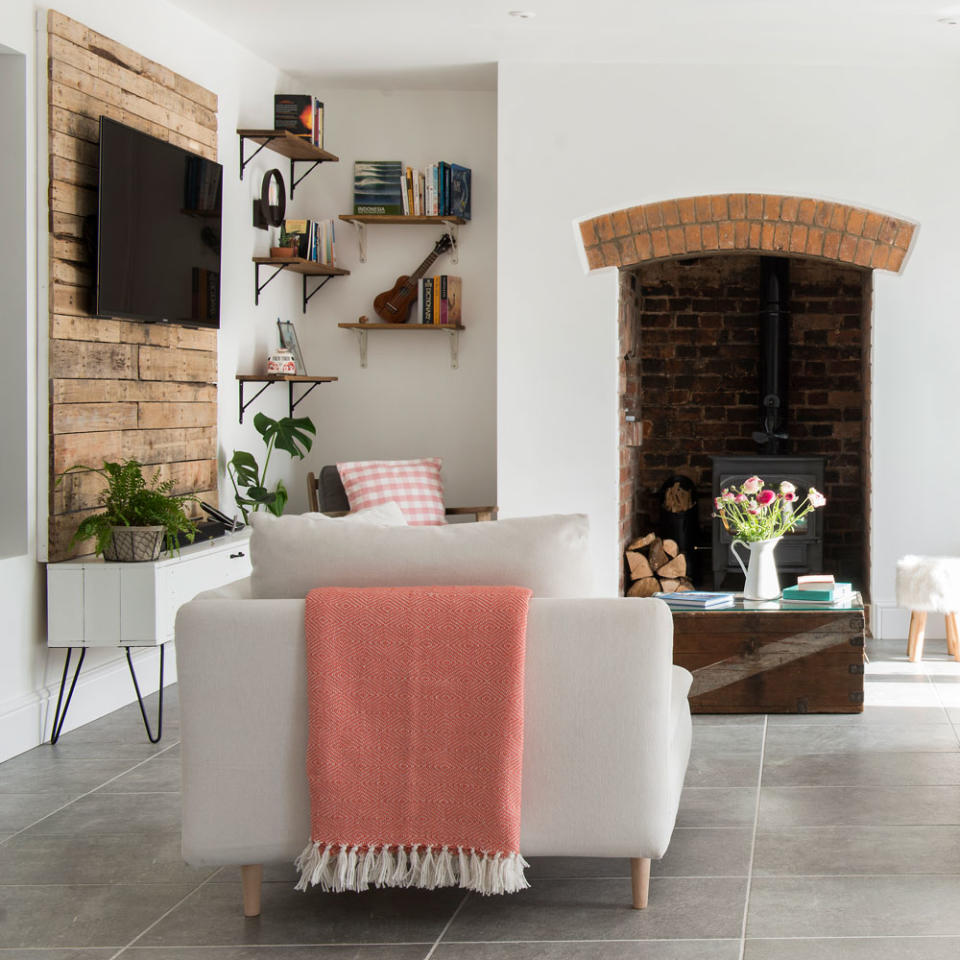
x,y
291,434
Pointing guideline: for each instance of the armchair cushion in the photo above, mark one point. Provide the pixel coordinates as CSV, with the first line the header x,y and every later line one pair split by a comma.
x,y
293,554
413,484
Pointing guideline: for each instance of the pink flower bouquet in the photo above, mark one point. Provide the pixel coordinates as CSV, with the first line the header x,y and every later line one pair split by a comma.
x,y
753,513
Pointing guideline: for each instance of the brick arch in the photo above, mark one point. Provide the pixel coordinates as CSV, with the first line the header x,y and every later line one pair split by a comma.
x,y
798,226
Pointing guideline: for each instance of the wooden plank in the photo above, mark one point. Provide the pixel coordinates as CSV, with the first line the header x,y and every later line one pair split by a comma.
x,y
74,358
60,530
140,107
73,125
68,98
76,151
84,328
167,363
70,449
61,49
72,300
113,391
66,226
80,491
92,417
155,415
193,91
166,335
71,251
68,198
102,46
72,273
170,445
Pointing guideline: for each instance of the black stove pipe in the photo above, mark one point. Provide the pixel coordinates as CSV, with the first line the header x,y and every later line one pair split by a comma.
x,y
774,356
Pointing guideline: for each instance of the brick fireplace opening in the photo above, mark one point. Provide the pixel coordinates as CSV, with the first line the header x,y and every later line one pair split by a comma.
x,y
693,371
690,302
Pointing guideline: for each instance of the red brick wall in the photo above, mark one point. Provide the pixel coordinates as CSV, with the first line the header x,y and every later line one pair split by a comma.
x,y
691,367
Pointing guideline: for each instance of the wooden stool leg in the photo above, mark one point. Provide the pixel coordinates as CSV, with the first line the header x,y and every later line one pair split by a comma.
x,y
640,877
918,624
251,879
953,640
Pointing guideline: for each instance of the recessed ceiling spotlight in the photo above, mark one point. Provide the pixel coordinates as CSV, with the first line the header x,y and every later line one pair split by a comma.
x,y
523,14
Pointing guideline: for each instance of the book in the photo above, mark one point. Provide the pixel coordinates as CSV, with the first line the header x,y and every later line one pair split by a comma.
x,y
408,195
838,593
454,292
294,112
815,581
436,300
443,298
460,191
697,599
426,300
377,187
317,123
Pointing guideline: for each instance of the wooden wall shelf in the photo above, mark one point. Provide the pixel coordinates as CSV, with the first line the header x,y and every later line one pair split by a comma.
x,y
361,220
269,379
452,330
295,148
308,268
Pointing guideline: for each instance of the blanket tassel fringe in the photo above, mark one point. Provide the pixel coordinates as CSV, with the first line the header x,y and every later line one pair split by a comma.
x,y
339,867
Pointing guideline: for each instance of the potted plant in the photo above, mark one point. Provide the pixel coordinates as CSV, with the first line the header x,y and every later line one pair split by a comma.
x,y
292,434
138,517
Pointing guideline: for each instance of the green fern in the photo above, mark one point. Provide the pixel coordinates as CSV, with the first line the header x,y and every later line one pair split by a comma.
x,y
130,501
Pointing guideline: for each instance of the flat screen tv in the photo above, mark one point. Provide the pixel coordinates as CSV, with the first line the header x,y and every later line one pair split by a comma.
x,y
158,230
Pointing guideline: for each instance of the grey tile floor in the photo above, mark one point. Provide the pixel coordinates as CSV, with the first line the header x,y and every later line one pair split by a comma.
x,y
828,837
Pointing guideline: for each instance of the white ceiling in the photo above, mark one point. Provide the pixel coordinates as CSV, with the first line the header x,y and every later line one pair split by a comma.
x,y
456,43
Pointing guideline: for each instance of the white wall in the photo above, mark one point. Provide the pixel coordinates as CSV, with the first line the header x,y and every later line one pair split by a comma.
x,y
245,86
408,402
576,140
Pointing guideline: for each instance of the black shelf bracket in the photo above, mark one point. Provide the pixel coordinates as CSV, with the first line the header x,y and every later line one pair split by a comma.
x,y
292,403
259,286
243,406
318,287
243,163
294,179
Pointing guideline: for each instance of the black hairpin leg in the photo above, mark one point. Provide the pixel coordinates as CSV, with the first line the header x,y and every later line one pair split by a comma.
x,y
143,712
59,719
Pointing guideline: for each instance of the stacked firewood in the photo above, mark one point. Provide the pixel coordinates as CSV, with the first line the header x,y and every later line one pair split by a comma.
x,y
656,566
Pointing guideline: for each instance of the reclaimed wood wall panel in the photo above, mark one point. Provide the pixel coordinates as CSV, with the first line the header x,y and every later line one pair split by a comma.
x,y
118,389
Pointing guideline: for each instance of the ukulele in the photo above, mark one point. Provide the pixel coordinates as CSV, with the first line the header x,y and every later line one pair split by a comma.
x,y
393,305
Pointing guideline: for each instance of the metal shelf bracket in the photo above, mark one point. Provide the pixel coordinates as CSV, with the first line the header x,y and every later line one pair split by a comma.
x,y
260,286
292,403
362,335
243,162
294,179
454,229
319,286
362,241
454,348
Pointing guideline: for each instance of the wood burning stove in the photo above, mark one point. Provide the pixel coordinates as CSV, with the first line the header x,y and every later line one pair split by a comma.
x,y
800,551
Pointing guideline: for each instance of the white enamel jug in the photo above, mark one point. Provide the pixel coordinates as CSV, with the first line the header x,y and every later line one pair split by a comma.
x,y
761,569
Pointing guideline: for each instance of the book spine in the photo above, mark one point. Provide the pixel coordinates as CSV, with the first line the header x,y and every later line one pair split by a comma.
x,y
443,299
436,301
428,300
403,194
409,191
454,294
417,205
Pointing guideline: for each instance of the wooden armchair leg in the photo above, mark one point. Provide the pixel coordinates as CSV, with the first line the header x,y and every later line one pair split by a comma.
x,y
640,878
251,879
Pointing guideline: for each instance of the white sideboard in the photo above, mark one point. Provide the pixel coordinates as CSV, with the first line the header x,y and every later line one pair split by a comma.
x,y
93,603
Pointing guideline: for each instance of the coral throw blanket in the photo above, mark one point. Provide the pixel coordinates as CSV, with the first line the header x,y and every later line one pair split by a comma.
x,y
416,737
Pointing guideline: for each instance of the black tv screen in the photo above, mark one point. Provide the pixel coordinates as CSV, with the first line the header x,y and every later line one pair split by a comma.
x,y
158,230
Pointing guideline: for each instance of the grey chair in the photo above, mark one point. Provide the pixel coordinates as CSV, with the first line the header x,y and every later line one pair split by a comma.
x,y
325,494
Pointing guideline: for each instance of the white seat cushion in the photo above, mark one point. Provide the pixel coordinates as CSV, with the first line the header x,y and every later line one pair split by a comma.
x,y
929,583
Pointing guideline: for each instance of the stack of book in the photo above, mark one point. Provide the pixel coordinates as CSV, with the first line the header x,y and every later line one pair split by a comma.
x,y
301,114
696,600
388,188
314,239
820,589
439,300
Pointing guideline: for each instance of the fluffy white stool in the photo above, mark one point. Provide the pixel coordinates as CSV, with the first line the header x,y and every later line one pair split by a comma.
x,y
929,585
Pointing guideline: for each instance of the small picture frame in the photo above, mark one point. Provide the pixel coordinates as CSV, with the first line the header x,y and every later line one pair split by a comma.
x,y
289,341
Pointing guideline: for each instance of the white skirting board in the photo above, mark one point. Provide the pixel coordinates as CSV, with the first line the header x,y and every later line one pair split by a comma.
x,y
891,622
102,688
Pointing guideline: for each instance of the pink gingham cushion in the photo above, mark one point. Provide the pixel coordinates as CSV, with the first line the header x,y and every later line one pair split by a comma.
x,y
413,484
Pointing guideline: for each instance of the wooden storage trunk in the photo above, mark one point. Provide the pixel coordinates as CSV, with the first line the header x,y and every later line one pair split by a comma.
x,y
772,660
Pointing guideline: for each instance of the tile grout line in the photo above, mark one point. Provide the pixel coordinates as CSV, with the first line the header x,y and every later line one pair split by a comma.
x,y
166,914
753,844
92,790
449,923
936,690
